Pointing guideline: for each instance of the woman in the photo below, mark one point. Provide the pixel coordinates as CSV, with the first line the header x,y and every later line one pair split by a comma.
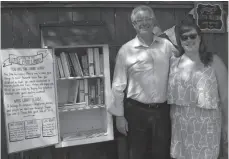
x,y
197,92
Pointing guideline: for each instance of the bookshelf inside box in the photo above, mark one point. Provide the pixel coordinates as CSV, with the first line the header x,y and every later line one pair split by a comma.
x,y
83,95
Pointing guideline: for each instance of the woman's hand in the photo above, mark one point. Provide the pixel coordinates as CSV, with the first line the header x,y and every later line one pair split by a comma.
x,y
122,125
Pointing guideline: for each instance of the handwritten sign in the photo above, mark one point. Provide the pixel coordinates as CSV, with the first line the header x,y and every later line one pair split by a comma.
x,y
209,17
29,98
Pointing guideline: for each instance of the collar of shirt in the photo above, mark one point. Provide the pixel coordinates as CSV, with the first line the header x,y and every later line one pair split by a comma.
x,y
140,43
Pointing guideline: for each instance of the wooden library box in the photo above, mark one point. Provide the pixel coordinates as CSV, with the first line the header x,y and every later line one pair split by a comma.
x,y
56,96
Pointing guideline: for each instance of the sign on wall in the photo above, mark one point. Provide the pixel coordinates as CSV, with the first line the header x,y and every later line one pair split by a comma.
x,y
29,98
210,17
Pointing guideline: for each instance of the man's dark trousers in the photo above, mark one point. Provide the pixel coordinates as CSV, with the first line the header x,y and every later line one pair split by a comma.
x,y
149,134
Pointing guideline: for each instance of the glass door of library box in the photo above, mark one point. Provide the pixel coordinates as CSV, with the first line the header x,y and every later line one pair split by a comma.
x,y
56,96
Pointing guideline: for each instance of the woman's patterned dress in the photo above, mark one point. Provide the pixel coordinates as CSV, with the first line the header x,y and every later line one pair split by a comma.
x,y
195,112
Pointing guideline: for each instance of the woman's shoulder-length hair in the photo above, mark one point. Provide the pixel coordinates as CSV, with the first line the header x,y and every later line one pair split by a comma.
x,y
206,57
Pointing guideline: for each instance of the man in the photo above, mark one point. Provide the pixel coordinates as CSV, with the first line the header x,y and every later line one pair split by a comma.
x,y
140,75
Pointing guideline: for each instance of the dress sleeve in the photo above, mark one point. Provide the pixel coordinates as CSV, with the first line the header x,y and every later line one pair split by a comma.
x,y
222,80
118,85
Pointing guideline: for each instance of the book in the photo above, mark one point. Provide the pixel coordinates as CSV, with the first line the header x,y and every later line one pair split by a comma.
x,y
102,91
65,64
84,60
79,70
86,91
98,91
70,65
76,92
93,99
90,56
101,63
97,61
59,63
74,105
76,64
81,91
92,92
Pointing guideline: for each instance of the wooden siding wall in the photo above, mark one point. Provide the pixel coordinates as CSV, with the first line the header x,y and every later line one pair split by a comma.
x,y
20,29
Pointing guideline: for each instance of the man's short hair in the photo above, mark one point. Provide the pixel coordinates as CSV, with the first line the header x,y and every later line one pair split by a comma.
x,y
142,8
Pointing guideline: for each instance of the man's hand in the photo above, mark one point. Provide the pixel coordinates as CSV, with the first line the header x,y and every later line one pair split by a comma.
x,y
122,125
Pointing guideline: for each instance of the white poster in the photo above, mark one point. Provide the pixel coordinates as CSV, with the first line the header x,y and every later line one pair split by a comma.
x,y
28,83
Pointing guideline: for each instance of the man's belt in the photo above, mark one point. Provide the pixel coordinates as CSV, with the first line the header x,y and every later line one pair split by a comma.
x,y
150,105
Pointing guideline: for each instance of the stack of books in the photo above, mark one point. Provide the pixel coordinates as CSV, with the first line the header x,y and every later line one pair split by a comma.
x,y
73,65
88,90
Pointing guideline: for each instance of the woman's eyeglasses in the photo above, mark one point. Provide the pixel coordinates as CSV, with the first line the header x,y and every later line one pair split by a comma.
x,y
191,36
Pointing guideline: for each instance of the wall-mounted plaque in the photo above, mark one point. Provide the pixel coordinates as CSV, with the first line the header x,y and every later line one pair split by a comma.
x,y
209,17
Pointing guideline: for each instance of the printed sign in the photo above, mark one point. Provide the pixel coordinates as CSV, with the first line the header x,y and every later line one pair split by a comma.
x,y
30,109
210,17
